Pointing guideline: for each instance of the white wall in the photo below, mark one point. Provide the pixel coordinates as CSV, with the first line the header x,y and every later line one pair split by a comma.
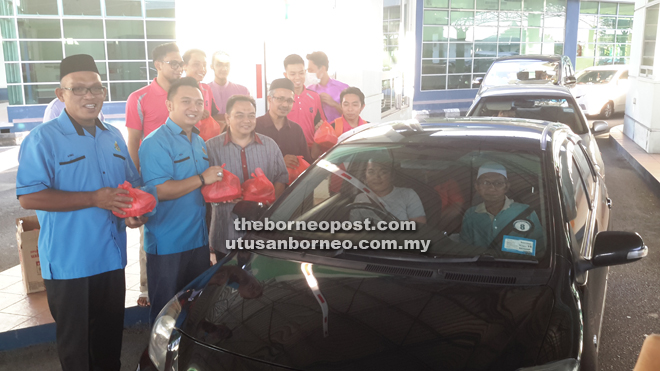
x,y
348,31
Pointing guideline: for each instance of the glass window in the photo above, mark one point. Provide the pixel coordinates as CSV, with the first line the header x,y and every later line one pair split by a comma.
x,y
555,6
554,20
462,4
126,50
436,3
7,29
123,8
622,50
460,50
488,5
120,71
434,67
124,29
576,200
83,28
510,4
588,7
461,33
119,91
485,34
608,8
605,50
510,19
624,36
436,17
13,73
163,30
10,51
15,94
482,65
531,48
459,82
626,9
434,82
41,72
39,28
41,50
553,34
588,21
505,50
40,94
534,5
460,66
507,35
7,7
94,48
606,36
532,20
607,22
462,19
650,33
37,7
81,7
532,35
434,50
435,33
624,23
159,8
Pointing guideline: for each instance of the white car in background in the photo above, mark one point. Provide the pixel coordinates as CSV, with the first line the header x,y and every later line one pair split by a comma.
x,y
602,90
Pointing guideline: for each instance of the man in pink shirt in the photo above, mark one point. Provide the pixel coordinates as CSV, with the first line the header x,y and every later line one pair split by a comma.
x,y
145,112
194,64
222,88
328,89
307,110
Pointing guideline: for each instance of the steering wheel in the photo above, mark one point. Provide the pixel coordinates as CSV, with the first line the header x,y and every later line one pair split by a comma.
x,y
381,213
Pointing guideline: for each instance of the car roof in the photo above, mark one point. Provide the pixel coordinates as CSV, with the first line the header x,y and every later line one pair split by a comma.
x,y
531,133
524,89
549,58
611,67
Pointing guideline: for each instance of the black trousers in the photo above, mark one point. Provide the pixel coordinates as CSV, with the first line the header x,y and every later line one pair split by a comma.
x,y
89,316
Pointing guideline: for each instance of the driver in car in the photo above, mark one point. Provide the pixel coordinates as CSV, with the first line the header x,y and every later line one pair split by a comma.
x,y
401,202
498,213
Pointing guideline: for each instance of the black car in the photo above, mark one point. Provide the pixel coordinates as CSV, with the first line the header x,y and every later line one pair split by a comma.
x,y
528,70
531,297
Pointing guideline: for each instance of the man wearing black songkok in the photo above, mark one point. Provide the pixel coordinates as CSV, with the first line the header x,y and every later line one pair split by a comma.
x,y
69,170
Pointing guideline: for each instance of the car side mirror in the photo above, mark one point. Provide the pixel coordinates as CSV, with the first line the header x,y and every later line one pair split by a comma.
x,y
613,248
570,81
249,210
599,126
477,81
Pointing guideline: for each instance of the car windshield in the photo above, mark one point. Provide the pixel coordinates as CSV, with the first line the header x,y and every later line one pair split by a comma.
x,y
595,77
535,108
470,203
522,72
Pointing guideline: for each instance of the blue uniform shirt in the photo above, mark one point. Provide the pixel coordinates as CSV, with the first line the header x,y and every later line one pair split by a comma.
x,y
178,225
480,227
61,155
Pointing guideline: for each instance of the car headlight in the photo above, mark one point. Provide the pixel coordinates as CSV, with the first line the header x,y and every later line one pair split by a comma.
x,y
161,333
568,364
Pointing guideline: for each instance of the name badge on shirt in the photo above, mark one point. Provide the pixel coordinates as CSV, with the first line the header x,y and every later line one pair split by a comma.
x,y
519,245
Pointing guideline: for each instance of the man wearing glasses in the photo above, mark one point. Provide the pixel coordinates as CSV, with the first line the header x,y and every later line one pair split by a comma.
x,y
274,124
68,171
484,222
145,112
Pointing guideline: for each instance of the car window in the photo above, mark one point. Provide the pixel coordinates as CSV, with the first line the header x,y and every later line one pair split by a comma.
x,y
586,169
522,72
595,77
440,185
576,197
536,108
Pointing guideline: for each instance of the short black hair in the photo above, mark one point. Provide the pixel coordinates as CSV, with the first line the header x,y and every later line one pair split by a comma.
x,y
320,59
219,52
281,84
163,49
293,59
188,54
184,81
352,90
239,98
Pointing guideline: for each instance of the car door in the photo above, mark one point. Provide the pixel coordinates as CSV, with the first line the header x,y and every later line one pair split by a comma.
x,y
583,193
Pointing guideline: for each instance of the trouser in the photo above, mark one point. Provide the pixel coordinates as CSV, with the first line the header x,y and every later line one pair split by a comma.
x,y
89,319
168,274
143,266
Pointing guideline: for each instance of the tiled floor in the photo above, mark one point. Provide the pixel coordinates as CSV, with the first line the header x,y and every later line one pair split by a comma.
x,y
18,310
650,161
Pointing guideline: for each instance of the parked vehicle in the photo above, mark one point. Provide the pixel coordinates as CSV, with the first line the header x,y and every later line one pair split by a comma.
x,y
602,90
547,103
455,306
528,70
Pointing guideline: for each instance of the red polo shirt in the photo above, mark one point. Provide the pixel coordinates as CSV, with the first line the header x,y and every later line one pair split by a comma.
x,y
146,110
306,112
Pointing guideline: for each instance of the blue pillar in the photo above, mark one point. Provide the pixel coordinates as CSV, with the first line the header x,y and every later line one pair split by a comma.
x,y
572,22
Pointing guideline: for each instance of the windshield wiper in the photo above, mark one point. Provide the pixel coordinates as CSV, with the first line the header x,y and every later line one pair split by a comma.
x,y
484,258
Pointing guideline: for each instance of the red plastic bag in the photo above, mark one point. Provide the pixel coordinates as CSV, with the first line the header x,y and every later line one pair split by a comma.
x,y
229,188
325,136
295,173
259,188
143,202
208,128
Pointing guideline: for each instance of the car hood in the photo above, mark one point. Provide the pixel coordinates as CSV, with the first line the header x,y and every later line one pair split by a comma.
x,y
350,319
